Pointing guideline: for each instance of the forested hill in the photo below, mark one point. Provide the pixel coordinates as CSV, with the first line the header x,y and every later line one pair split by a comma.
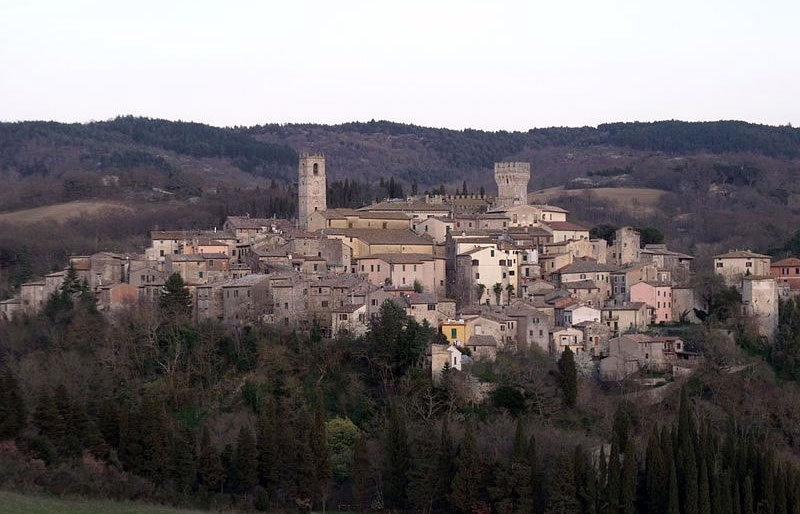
x,y
708,186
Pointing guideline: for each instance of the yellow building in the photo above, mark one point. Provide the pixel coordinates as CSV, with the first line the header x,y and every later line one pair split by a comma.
x,y
455,330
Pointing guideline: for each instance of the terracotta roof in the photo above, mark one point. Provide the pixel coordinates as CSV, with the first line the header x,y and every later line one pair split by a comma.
x,y
402,258
384,236
481,340
565,225
348,307
403,206
741,254
344,213
586,266
580,284
246,222
788,262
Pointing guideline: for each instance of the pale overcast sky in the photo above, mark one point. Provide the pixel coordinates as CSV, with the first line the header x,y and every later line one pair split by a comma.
x,y
484,64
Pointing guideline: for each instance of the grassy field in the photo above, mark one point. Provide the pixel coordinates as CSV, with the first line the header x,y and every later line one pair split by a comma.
x,y
13,503
58,212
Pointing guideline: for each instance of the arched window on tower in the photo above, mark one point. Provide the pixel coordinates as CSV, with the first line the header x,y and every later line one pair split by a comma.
x,y
316,169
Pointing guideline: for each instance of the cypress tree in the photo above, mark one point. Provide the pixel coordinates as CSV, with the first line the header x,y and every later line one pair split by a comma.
x,y
628,482
673,505
446,462
568,377
397,457
12,406
656,475
689,486
211,473
361,473
614,485
465,494
245,462
703,492
561,486
319,451
747,495
184,461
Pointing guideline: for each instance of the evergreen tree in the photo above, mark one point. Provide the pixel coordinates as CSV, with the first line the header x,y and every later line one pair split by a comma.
x,y
48,420
319,451
656,475
703,490
614,484
362,471
673,505
568,377
628,481
12,406
446,467
483,192
95,442
245,461
465,494
184,461
397,457
176,299
211,474
561,487
747,495
464,188
266,448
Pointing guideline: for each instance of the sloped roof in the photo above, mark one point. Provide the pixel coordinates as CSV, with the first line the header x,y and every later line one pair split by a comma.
x,y
586,266
246,222
402,258
382,236
741,254
580,284
403,205
482,340
787,262
565,225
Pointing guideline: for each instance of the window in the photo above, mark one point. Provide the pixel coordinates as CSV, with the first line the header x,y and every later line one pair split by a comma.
x,y
161,252
324,303
362,267
200,274
477,276
431,306
453,333
286,305
379,268
748,264
371,267
374,302
404,267
491,253
719,264
315,169
343,317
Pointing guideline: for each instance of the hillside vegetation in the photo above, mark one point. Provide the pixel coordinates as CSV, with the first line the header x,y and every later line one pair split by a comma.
x,y
711,186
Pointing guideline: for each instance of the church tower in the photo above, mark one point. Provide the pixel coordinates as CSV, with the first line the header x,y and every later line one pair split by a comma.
x,y
512,183
311,186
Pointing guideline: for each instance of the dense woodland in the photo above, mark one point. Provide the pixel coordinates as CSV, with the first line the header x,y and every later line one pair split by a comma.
x,y
148,405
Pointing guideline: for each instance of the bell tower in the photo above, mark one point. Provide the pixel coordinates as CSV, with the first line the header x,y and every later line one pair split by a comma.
x,y
311,186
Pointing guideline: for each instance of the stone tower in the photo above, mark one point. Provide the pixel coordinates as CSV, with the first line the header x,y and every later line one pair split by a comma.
x,y
311,187
512,183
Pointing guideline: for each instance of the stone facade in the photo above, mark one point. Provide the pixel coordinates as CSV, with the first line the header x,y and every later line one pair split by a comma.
x,y
311,187
512,183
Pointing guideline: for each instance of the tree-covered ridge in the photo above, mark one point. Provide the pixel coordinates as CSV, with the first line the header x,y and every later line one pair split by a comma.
x,y
711,136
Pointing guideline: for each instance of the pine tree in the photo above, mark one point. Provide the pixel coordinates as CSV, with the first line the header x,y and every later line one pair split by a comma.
x,y
175,300
465,493
362,471
245,461
397,457
568,377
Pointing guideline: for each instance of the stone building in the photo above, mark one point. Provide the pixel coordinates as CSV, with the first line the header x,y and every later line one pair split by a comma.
x,y
311,187
760,303
512,183
626,248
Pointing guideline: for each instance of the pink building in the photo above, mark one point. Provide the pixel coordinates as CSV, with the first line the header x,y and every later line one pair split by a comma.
x,y
657,296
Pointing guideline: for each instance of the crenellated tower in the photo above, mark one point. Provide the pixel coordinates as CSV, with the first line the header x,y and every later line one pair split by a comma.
x,y
311,187
512,183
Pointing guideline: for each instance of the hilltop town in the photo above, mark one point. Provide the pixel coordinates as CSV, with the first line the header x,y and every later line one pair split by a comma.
x,y
491,272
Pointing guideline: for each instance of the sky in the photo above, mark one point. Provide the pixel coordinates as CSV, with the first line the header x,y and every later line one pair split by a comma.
x,y
485,64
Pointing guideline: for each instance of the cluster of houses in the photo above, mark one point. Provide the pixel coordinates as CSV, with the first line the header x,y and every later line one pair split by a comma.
x,y
492,273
